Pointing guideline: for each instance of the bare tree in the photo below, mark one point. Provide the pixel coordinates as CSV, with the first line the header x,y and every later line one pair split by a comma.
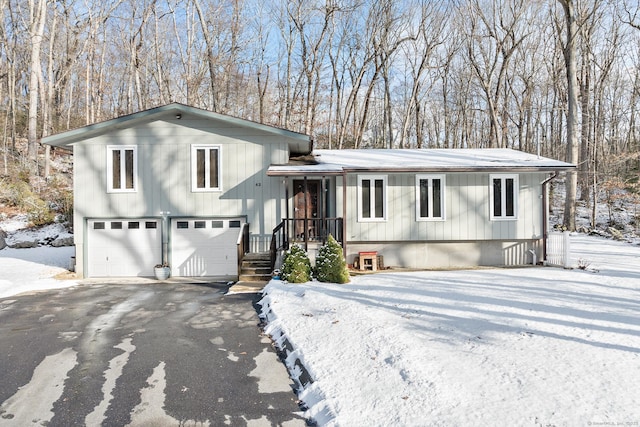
x,y
420,55
37,14
570,53
493,37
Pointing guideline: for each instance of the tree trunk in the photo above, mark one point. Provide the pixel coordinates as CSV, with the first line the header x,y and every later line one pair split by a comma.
x,y
36,32
572,114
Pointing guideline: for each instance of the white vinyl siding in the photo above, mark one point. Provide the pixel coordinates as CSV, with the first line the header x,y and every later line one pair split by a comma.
x,y
372,198
466,208
122,169
205,168
503,196
430,197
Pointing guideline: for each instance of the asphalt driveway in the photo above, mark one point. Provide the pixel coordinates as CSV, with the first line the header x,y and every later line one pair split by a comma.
x,y
140,355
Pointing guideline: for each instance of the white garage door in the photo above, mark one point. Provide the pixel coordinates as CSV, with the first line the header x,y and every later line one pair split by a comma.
x,y
123,247
204,247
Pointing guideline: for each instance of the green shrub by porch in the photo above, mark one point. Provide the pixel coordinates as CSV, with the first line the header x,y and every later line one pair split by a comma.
x,y
296,267
330,263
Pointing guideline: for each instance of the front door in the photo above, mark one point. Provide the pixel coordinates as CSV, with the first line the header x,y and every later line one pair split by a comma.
x,y
306,207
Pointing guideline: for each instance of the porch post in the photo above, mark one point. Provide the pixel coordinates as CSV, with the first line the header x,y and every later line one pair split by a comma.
x,y
323,226
306,215
286,209
344,214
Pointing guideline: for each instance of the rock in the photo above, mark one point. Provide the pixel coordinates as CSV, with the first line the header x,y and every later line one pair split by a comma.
x,y
616,234
3,243
25,244
62,241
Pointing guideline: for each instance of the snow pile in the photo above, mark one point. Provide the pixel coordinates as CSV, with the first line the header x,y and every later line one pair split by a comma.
x,y
531,346
28,270
19,235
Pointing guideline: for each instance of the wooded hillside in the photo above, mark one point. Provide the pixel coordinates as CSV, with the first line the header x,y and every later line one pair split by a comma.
x,y
353,73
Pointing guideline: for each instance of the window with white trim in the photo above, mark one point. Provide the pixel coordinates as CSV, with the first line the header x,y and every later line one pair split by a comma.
x,y
430,197
504,196
122,168
205,168
372,197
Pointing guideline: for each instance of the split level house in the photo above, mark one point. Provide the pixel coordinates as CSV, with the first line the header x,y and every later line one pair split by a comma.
x,y
200,191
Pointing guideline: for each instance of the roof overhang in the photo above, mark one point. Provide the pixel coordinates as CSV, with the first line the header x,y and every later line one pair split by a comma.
x,y
339,162
298,143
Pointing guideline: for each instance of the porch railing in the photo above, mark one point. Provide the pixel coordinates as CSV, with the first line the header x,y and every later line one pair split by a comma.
x,y
242,244
304,230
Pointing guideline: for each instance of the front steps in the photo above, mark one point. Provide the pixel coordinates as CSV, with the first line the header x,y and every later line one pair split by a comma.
x,y
256,267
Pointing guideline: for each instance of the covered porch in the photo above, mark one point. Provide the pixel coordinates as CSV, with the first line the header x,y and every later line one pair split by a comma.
x,y
310,215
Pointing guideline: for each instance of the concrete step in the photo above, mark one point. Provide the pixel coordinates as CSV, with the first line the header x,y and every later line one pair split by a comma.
x,y
254,269
254,277
258,256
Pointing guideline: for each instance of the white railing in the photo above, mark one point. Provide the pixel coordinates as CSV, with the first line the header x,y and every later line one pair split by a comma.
x,y
559,249
259,242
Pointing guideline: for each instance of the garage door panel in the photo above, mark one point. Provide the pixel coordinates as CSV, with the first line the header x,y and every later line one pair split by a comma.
x,y
123,248
204,247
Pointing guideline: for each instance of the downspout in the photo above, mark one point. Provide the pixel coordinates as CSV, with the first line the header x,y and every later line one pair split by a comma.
x,y
545,214
344,214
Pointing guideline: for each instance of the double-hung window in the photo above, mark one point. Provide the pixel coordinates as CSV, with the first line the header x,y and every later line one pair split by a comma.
x,y
504,196
122,168
430,197
205,168
372,197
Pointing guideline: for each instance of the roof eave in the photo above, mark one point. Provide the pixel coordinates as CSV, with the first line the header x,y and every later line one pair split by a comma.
x,y
506,169
303,144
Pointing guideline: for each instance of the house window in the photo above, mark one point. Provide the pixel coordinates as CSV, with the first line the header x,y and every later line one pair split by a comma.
x,y
430,197
372,197
504,196
122,169
205,168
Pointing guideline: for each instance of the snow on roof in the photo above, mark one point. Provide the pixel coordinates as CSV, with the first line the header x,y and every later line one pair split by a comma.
x,y
418,160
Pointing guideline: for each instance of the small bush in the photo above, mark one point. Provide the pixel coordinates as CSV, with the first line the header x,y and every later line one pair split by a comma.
x,y
330,263
296,267
38,212
13,193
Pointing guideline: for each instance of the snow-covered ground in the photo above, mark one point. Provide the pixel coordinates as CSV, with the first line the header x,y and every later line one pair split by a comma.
x,y
33,269
529,346
509,347
27,270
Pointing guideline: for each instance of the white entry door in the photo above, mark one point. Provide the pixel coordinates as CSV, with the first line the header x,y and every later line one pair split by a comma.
x,y
123,247
204,247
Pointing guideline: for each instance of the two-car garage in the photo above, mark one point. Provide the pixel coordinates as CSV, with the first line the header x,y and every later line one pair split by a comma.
x,y
197,247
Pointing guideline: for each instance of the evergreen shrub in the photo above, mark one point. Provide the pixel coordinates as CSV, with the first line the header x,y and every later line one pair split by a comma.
x,y
330,263
296,267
